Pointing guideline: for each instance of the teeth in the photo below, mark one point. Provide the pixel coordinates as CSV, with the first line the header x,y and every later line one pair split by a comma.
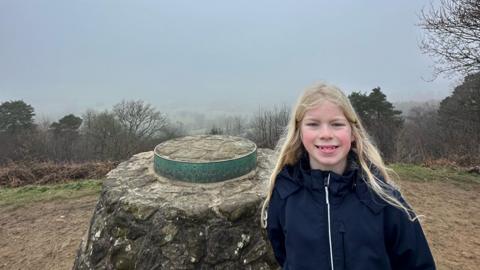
x,y
326,147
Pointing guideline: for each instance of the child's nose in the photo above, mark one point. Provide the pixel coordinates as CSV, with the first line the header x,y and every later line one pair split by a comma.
x,y
325,132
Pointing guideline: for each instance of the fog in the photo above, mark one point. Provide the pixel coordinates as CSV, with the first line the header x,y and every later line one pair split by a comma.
x,y
208,57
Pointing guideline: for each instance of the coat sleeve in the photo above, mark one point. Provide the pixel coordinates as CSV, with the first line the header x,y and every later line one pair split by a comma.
x,y
274,227
406,243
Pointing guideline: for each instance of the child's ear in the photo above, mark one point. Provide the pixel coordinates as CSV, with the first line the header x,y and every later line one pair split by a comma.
x,y
353,144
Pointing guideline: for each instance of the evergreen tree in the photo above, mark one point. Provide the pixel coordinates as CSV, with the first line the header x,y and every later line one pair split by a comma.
x,y
16,116
16,130
65,136
459,117
380,119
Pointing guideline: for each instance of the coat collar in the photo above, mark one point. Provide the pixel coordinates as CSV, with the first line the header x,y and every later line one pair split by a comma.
x,y
294,177
301,175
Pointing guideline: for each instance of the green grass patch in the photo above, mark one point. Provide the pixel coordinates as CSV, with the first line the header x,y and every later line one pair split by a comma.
x,y
424,174
34,193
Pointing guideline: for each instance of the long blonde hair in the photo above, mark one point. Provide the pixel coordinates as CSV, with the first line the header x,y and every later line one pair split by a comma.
x,y
290,146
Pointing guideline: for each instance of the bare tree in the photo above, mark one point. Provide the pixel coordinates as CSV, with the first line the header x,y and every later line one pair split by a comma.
x,y
233,125
420,139
139,119
215,130
268,125
173,130
452,36
140,122
42,146
101,136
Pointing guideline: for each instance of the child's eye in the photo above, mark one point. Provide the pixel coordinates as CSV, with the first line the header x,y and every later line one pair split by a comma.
x,y
312,124
338,124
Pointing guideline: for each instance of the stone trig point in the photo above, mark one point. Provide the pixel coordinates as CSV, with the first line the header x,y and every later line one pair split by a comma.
x,y
193,203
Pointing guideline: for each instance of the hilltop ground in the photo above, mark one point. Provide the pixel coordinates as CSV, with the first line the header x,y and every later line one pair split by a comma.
x,y
45,233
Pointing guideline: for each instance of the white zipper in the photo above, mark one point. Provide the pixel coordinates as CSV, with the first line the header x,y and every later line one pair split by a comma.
x,y
326,184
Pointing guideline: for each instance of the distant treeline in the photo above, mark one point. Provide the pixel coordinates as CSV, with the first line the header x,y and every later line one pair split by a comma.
x,y
448,131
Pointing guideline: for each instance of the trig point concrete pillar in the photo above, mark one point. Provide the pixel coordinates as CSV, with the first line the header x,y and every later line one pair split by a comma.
x,y
193,203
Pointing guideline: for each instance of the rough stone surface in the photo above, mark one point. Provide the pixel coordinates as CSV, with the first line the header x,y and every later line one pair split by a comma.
x,y
205,148
144,221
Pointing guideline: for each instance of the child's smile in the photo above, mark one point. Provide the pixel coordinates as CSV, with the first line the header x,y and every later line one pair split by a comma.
x,y
326,148
327,137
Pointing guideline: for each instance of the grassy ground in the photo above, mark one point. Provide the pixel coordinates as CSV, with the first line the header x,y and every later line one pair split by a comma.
x,y
424,174
42,225
21,196
35,193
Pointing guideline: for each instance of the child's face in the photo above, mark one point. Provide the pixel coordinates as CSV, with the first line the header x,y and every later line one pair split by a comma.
x,y
327,136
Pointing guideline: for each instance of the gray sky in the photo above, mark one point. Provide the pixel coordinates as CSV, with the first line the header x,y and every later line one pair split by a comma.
x,y
230,56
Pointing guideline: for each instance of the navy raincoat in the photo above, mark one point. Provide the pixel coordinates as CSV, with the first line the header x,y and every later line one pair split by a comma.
x,y
364,233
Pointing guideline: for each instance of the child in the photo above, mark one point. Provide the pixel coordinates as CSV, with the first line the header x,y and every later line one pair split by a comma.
x,y
331,201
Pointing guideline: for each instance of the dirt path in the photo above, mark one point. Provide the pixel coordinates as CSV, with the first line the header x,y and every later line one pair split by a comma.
x,y
452,222
46,235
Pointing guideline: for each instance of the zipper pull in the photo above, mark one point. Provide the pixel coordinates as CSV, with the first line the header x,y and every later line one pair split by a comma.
x,y
326,181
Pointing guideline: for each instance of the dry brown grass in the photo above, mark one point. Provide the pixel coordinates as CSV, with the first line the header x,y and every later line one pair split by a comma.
x,y
16,175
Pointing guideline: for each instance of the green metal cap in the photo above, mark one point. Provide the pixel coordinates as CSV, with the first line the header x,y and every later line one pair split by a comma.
x,y
205,158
